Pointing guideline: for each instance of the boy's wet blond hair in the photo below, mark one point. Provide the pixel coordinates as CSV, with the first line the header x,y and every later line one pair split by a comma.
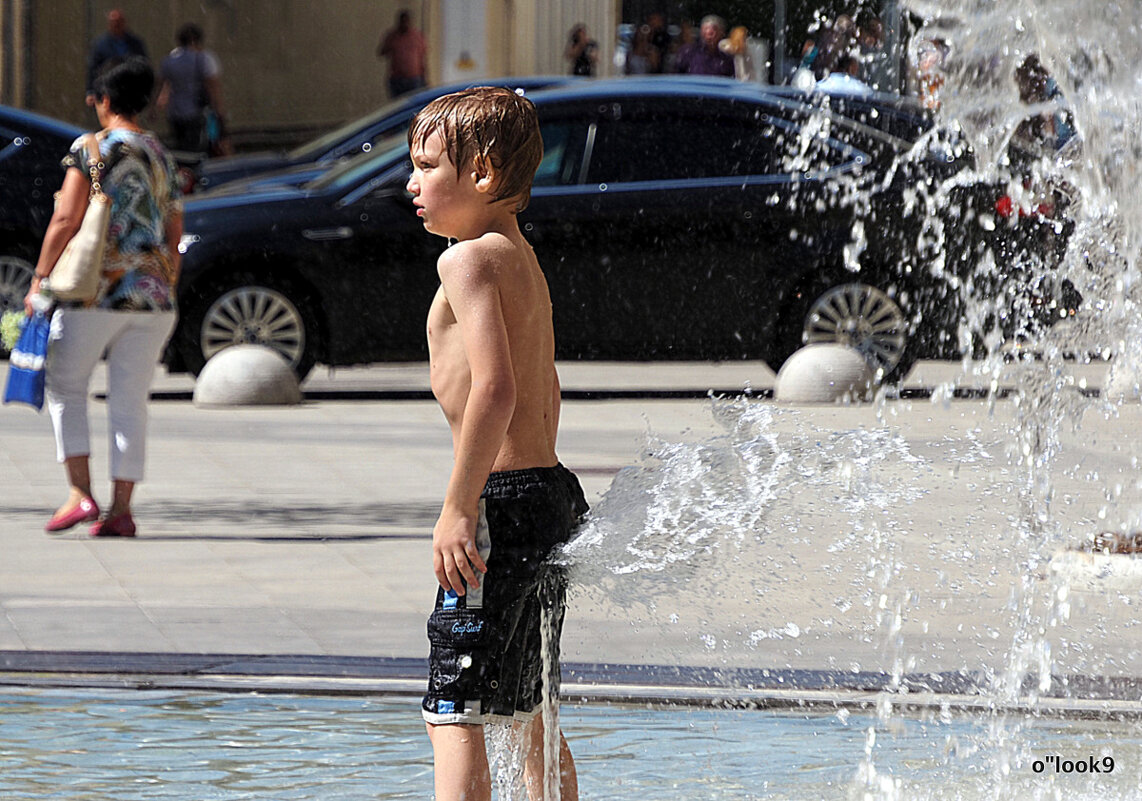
x,y
486,123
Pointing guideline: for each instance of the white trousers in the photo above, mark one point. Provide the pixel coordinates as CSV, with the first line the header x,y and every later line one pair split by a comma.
x,y
133,342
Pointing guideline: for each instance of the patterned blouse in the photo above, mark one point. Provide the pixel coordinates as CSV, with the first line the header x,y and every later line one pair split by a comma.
x,y
141,180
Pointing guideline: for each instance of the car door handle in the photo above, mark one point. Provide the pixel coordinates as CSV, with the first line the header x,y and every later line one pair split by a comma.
x,y
327,234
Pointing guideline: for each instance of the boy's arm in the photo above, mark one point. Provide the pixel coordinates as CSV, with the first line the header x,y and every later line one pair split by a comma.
x,y
556,405
468,274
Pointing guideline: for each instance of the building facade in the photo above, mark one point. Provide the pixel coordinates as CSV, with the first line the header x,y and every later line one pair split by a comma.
x,y
293,66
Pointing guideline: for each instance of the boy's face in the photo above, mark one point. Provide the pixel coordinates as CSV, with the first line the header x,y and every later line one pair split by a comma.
x,y
444,199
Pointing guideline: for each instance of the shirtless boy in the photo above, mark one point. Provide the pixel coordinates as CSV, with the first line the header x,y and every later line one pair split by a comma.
x,y
509,502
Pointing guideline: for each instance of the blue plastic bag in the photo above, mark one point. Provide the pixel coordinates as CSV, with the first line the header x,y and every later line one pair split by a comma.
x,y
26,363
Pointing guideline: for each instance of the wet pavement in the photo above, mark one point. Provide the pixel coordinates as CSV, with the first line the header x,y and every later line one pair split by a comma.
x,y
289,547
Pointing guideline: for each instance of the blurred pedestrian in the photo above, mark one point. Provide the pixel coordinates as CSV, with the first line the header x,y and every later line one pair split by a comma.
x,y
642,58
659,37
927,57
582,51
704,57
845,78
132,313
1051,127
684,39
685,34
831,44
803,77
407,52
191,85
118,43
870,46
737,46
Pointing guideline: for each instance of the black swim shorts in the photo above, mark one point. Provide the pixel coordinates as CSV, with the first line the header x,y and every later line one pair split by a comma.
x,y
486,655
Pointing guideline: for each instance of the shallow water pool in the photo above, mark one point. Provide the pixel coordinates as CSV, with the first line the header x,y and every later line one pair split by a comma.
x,y
80,745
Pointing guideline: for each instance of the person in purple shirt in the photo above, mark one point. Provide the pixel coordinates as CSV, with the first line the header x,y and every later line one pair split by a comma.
x,y
704,57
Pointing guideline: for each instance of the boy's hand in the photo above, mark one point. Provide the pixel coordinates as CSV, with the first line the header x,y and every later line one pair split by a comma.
x,y
455,558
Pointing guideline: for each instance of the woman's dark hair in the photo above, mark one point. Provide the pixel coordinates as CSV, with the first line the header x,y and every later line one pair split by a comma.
x,y
127,83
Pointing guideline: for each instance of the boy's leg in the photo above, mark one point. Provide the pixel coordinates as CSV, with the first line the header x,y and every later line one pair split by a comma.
x,y
460,762
533,770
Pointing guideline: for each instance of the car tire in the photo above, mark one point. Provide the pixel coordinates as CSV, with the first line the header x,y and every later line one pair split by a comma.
x,y
249,310
856,314
16,273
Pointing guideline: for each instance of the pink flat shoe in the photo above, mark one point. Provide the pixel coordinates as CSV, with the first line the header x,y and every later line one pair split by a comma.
x,y
84,513
118,526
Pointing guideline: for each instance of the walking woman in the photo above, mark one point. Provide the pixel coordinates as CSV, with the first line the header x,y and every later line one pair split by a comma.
x,y
133,313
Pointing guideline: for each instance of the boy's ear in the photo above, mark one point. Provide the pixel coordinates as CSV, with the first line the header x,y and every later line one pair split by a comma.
x,y
483,174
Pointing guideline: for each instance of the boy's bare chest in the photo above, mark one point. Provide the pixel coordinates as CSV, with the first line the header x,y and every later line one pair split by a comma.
x,y
448,363
441,326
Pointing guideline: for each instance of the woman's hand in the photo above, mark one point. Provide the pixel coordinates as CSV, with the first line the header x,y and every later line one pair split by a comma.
x,y
32,292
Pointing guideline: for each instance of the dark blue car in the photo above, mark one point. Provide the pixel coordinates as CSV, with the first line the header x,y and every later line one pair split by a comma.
x,y
674,218
31,147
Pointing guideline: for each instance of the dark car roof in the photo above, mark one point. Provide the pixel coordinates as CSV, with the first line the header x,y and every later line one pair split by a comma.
x,y
21,120
902,118
899,117
343,140
402,110
674,85
729,88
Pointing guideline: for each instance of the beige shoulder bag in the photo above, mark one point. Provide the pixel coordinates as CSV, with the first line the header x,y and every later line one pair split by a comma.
x,y
77,271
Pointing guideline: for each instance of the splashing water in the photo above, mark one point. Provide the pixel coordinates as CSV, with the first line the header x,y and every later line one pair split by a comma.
x,y
699,526
742,519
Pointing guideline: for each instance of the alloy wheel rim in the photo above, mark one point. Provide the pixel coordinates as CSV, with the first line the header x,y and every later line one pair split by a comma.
x,y
254,315
862,317
15,280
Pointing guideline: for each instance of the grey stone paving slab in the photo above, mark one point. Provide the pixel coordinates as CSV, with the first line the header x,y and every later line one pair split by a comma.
x,y
888,540
341,631
10,639
87,626
198,629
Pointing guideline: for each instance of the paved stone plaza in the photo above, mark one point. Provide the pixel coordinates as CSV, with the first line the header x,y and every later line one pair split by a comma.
x,y
874,539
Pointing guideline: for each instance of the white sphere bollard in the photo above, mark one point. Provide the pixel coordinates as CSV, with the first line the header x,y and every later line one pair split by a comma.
x,y
1123,383
824,373
247,375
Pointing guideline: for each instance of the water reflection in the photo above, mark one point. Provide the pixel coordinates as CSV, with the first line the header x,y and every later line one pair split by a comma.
x,y
83,746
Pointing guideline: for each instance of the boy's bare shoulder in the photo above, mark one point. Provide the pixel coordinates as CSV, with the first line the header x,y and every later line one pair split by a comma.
x,y
480,259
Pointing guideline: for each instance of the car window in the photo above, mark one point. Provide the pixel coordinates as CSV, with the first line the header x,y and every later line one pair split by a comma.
x,y
814,144
315,149
351,172
562,154
657,147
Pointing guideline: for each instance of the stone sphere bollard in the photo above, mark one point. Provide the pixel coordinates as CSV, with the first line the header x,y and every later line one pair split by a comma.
x,y
824,373
247,375
1123,383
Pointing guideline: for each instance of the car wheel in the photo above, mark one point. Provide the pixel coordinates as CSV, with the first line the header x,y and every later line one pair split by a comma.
x,y
855,314
15,279
253,312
